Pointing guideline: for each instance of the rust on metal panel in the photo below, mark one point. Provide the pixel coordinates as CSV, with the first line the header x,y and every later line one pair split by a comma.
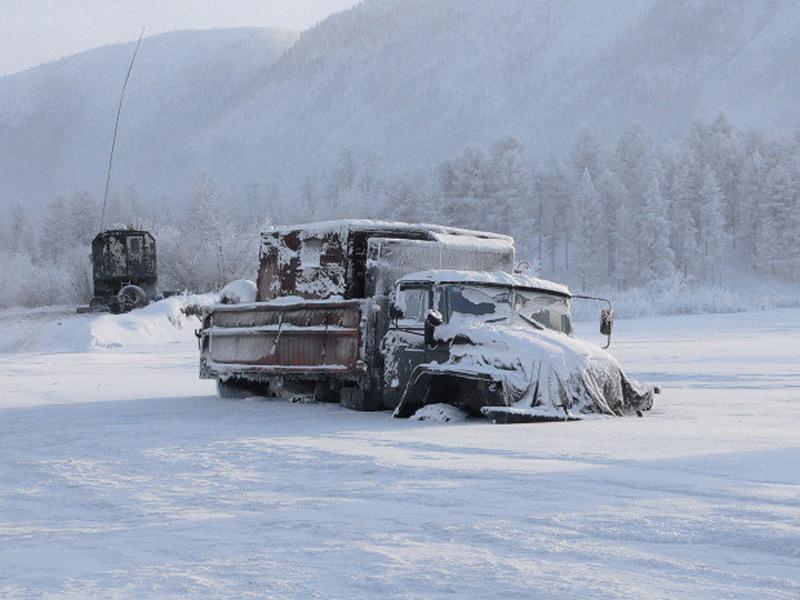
x,y
342,315
301,263
282,336
287,348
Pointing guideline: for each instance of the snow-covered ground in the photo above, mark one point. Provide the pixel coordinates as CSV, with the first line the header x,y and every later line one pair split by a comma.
x,y
122,475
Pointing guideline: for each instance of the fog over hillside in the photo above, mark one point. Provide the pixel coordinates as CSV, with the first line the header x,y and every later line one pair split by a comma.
x,y
626,146
411,81
56,120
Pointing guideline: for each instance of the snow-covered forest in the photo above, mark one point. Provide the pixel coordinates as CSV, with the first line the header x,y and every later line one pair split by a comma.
x,y
720,208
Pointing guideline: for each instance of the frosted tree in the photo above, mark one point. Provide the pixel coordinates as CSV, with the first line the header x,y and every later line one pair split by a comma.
x,y
684,227
718,146
589,231
82,213
586,154
465,182
510,186
18,231
614,203
52,241
467,175
713,237
309,195
536,217
370,185
254,202
553,190
342,181
208,250
752,183
401,200
776,222
407,199
656,256
202,251
567,220
632,156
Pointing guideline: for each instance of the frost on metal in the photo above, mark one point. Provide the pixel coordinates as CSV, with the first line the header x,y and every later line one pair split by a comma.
x,y
508,351
123,269
382,315
359,258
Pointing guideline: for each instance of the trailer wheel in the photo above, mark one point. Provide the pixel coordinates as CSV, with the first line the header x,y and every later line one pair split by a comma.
x,y
130,297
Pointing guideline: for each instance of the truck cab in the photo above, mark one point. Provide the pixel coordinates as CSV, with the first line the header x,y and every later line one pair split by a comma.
x,y
499,345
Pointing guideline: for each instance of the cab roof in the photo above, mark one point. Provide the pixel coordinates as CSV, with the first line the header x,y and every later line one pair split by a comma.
x,y
516,280
435,232
121,232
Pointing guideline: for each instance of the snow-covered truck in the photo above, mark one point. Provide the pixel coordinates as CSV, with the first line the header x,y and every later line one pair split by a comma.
x,y
123,271
382,315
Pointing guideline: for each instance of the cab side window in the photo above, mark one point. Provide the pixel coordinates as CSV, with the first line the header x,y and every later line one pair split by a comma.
x,y
415,303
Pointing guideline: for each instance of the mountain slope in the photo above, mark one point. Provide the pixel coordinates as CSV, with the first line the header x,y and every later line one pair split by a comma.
x,y
56,120
414,80
410,80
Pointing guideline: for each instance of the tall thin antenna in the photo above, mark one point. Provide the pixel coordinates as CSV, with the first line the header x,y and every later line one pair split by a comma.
x,y
116,127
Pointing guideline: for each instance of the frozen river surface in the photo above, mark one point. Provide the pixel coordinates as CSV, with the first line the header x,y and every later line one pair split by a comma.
x,y
122,475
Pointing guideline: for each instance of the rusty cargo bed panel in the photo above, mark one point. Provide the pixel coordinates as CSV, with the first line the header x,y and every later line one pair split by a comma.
x,y
283,338
345,313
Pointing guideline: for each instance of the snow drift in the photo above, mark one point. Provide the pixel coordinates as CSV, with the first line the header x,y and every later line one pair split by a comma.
x,y
60,329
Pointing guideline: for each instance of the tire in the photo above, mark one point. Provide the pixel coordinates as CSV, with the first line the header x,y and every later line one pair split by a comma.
x,y
130,297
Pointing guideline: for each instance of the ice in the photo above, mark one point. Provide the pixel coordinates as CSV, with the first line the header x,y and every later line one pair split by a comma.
x,y
122,475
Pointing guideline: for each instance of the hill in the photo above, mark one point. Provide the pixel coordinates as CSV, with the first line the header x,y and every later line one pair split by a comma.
x,y
56,120
411,81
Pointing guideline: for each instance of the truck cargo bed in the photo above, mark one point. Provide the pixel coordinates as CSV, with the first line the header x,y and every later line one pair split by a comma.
x,y
279,338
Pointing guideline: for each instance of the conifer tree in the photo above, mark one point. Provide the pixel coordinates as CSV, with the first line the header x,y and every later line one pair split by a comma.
x,y
653,239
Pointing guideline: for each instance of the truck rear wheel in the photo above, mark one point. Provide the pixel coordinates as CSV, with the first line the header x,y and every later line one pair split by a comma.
x,y
130,297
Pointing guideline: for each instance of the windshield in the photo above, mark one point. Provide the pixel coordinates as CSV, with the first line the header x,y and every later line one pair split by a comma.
x,y
496,303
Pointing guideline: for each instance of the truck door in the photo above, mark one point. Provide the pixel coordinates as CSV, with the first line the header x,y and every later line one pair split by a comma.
x,y
404,343
135,255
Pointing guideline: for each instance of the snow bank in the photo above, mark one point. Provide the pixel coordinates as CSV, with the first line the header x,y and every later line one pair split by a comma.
x,y
61,329
676,296
164,321
241,291
439,413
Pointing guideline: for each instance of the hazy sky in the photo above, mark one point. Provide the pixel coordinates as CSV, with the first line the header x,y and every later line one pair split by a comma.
x,y
37,31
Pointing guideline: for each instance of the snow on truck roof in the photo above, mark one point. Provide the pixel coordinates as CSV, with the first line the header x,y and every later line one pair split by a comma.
x,y
439,233
518,280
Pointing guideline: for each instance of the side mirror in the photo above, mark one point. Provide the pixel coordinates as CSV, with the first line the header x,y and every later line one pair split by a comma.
x,y
395,312
432,321
607,322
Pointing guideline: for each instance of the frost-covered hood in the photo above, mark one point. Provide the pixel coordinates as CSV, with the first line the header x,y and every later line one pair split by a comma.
x,y
543,371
